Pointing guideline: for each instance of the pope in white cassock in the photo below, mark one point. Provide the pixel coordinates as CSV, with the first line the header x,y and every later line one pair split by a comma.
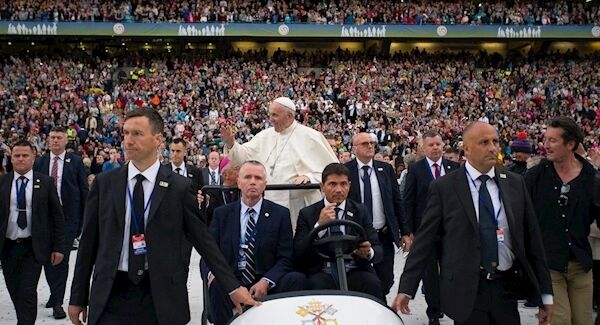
x,y
293,154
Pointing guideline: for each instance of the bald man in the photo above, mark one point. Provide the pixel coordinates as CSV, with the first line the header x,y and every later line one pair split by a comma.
x,y
488,230
293,154
373,183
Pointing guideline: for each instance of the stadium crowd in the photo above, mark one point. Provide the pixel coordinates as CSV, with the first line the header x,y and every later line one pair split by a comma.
x,y
323,12
396,98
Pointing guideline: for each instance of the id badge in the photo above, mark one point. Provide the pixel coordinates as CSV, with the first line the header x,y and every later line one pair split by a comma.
x,y
242,264
139,244
500,235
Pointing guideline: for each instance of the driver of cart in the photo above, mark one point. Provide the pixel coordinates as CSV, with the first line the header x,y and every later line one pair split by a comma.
x,y
321,274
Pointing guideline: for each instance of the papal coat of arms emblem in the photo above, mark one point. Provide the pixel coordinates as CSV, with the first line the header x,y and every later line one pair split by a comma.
x,y
317,313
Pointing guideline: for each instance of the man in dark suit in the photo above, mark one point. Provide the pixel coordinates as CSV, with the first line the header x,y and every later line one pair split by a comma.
x,y
70,178
32,230
336,205
179,167
178,153
374,184
419,176
133,239
485,221
255,236
212,174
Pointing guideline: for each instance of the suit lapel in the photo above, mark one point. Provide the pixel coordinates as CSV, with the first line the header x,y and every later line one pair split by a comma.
x,y
378,170
35,188
447,166
161,186
119,196
427,170
505,194
5,196
263,222
45,166
355,179
235,224
464,194
350,214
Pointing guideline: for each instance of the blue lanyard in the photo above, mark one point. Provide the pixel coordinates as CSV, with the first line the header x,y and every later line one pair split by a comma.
x,y
134,216
490,210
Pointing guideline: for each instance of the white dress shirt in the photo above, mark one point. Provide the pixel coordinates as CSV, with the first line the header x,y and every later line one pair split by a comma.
x,y
12,230
217,176
148,186
61,164
182,171
505,255
432,169
378,212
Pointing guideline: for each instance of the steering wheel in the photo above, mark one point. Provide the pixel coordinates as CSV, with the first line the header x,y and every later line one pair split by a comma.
x,y
329,247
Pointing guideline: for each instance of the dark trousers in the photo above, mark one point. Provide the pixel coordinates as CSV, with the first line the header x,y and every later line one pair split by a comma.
x,y
358,280
56,276
129,304
431,285
221,306
385,268
493,306
21,273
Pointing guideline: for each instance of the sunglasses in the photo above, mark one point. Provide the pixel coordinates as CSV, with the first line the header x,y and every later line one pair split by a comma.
x,y
563,199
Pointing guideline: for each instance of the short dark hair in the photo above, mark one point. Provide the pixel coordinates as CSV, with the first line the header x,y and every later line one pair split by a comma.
x,y
431,134
59,128
178,141
334,169
571,131
450,149
24,143
157,124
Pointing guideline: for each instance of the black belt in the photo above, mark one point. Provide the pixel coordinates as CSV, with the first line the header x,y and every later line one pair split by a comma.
x,y
19,240
498,275
383,230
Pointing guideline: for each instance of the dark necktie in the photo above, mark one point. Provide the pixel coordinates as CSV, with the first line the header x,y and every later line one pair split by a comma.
x,y
54,171
336,230
178,170
213,178
436,169
137,262
487,228
368,196
249,273
22,203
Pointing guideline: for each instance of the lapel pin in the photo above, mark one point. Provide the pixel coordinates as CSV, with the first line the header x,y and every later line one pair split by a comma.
x,y
448,167
379,169
68,160
349,213
36,186
267,214
163,184
190,175
37,180
502,175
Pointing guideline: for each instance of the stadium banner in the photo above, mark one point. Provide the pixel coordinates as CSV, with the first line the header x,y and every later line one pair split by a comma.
x,y
213,30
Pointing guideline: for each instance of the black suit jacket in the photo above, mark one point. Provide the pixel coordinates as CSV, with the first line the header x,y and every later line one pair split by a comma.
x,y
173,217
47,220
306,258
418,179
273,239
450,215
206,176
74,186
390,195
